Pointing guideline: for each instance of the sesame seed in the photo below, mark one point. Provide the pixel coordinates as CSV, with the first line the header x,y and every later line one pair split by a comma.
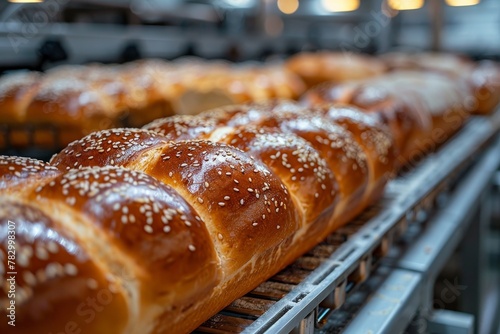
x,y
29,278
250,190
41,253
92,284
52,247
148,229
227,198
221,204
166,229
70,269
200,200
191,248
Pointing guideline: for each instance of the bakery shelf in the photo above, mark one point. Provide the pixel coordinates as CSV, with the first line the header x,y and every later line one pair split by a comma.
x,y
304,295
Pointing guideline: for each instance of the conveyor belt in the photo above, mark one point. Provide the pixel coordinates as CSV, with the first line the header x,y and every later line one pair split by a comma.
x,y
304,295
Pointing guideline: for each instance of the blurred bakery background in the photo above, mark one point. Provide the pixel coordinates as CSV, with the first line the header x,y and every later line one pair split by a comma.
x,y
45,33
145,59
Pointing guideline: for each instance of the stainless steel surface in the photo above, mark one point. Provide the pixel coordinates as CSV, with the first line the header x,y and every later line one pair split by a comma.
x,y
429,252
390,308
319,281
463,220
449,322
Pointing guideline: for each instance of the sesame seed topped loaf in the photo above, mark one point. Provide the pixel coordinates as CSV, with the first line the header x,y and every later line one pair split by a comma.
x,y
162,227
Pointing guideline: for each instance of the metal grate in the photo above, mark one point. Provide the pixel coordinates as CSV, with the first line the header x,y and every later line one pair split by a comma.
x,y
303,296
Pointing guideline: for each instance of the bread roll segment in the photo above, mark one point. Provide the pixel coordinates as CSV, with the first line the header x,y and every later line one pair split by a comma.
x,y
300,167
60,283
373,137
19,174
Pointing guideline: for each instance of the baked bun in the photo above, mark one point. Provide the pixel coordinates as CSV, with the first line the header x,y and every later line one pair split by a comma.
x,y
147,235
115,147
300,167
57,277
16,91
66,109
20,175
373,137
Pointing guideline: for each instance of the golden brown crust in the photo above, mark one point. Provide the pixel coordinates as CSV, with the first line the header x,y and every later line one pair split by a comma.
x,y
413,104
485,83
182,127
243,203
344,157
16,90
71,103
375,140
57,277
299,166
149,223
20,175
316,68
113,147
341,152
395,112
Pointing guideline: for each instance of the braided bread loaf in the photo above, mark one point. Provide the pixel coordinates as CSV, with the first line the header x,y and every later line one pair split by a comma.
x,y
127,231
69,102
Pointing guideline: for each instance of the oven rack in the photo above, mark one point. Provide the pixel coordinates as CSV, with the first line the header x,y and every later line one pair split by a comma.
x,y
301,297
